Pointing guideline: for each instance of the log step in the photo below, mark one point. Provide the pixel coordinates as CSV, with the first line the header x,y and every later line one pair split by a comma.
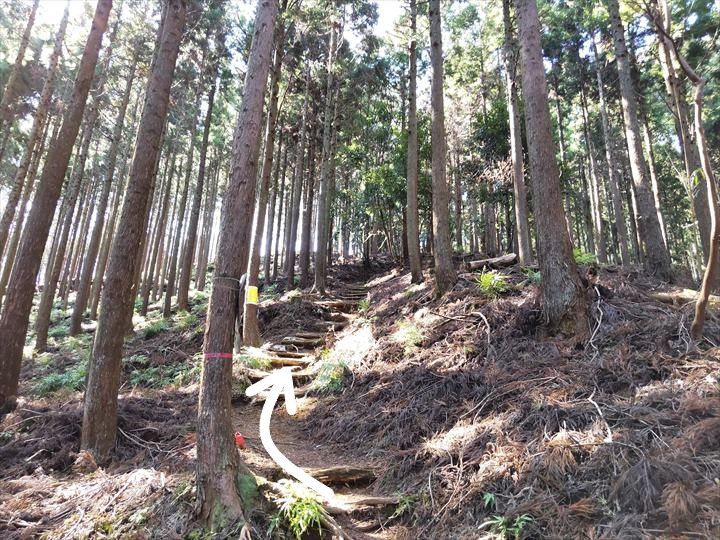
x,y
279,350
300,342
341,305
343,475
335,316
311,335
279,361
334,326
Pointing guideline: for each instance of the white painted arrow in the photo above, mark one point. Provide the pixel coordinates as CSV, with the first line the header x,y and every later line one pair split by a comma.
x,y
278,382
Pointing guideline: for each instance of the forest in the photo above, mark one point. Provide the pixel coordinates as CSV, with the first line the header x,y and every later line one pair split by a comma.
x,y
359,269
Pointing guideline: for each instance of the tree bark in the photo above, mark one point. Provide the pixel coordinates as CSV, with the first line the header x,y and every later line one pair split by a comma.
x,y
657,258
595,179
208,224
218,462
251,331
305,232
444,269
16,309
100,409
563,300
413,227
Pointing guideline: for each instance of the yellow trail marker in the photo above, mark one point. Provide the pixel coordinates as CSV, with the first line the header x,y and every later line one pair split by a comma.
x,y
251,295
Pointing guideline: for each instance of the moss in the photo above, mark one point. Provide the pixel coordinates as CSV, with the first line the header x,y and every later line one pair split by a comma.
x,y
247,488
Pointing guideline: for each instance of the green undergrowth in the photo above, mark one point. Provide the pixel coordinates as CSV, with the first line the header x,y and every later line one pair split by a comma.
x,y
71,379
300,511
410,335
177,374
583,257
331,374
492,284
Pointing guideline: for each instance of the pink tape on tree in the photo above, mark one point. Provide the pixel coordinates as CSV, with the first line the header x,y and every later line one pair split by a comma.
x,y
218,355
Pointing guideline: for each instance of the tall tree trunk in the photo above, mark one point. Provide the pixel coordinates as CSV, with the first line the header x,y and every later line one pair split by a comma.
x,y
305,232
326,163
39,120
16,308
186,266
444,269
413,219
657,258
522,227
175,253
83,293
100,409
294,210
218,460
159,237
563,300
271,230
280,222
654,185
595,179
612,167
209,222
695,183
251,331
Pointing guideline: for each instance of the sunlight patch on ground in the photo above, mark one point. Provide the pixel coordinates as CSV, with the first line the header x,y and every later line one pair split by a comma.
x,y
354,345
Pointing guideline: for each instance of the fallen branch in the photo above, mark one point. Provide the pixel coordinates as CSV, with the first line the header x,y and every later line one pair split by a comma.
x,y
495,262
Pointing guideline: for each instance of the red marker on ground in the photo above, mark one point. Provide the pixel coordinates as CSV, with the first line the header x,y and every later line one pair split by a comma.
x,y
239,440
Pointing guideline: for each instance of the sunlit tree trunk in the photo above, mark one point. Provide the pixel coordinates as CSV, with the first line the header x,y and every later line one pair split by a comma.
x,y
100,408
218,461
657,258
413,225
522,227
294,210
324,201
444,269
251,331
563,301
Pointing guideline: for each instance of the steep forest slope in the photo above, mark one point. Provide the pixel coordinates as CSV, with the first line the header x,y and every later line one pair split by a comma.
x,y
470,421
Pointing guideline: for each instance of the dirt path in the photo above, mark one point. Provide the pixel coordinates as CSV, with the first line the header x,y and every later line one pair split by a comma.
x,y
364,513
